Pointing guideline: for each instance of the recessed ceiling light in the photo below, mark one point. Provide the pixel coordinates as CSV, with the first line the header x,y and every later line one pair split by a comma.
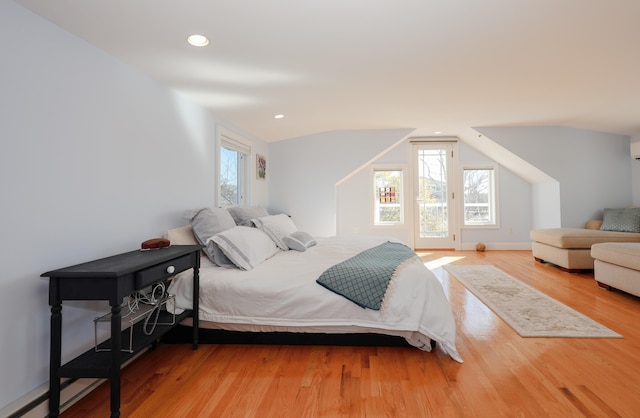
x,y
279,116
198,40
437,132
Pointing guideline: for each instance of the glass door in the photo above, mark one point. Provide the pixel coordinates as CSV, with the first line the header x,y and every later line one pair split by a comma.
x,y
433,183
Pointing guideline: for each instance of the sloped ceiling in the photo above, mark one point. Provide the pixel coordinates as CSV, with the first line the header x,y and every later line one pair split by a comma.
x,y
433,65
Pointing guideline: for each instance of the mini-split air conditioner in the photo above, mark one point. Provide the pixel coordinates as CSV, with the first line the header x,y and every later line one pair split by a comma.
x,y
635,150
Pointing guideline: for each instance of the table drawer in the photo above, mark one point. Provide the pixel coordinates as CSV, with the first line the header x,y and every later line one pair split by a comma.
x,y
158,272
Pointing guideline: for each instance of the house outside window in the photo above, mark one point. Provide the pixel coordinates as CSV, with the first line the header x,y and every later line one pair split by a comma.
x,y
388,207
480,196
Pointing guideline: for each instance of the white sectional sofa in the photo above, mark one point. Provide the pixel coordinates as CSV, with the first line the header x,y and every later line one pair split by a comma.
x,y
570,248
617,265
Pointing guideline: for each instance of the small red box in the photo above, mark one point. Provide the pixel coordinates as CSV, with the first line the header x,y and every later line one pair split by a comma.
x,y
155,244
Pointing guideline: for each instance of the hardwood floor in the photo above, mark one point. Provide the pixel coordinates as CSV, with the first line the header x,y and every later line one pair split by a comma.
x,y
502,375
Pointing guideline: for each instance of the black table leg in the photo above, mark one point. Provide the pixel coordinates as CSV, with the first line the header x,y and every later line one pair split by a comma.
x,y
55,359
196,306
114,374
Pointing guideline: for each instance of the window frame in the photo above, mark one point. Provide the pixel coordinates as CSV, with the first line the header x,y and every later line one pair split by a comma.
x,y
374,200
493,196
235,142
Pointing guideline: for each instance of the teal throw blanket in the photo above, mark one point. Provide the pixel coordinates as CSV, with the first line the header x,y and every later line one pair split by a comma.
x,y
364,278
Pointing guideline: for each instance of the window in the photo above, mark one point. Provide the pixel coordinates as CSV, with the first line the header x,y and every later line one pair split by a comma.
x,y
387,191
232,174
231,163
480,196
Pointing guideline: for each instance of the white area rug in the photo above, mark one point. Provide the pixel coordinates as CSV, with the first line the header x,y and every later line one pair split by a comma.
x,y
528,311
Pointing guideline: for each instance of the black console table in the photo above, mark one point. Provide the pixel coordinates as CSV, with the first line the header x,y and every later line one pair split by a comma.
x,y
112,279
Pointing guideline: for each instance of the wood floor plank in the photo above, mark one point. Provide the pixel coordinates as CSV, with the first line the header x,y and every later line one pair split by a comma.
x,y
504,375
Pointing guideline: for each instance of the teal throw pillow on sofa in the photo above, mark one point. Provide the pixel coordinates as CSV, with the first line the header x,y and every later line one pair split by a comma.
x,y
621,220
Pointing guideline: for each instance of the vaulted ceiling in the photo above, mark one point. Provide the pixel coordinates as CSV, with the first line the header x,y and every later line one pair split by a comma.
x,y
433,65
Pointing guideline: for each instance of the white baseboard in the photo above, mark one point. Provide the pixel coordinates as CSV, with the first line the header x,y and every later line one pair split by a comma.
x,y
499,246
35,404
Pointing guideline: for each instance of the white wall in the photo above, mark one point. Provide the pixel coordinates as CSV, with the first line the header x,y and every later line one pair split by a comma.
x,y
95,159
304,172
592,168
635,174
354,199
545,205
514,209
352,208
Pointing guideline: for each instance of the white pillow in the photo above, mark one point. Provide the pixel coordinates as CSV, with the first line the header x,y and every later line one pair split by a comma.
x,y
208,222
215,254
276,227
182,235
243,215
246,247
299,241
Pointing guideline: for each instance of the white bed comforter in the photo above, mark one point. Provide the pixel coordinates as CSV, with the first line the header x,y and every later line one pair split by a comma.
x,y
281,294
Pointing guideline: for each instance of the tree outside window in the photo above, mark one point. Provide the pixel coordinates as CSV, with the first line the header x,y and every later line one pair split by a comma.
x,y
479,196
234,152
230,177
433,193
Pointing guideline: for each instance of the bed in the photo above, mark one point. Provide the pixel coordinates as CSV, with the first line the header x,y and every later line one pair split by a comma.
x,y
278,291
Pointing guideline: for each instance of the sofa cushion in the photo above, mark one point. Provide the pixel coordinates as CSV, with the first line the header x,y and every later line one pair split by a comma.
x,y
593,224
568,258
579,237
625,254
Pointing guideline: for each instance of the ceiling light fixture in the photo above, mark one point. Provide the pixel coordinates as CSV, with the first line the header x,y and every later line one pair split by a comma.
x,y
437,132
198,40
279,116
